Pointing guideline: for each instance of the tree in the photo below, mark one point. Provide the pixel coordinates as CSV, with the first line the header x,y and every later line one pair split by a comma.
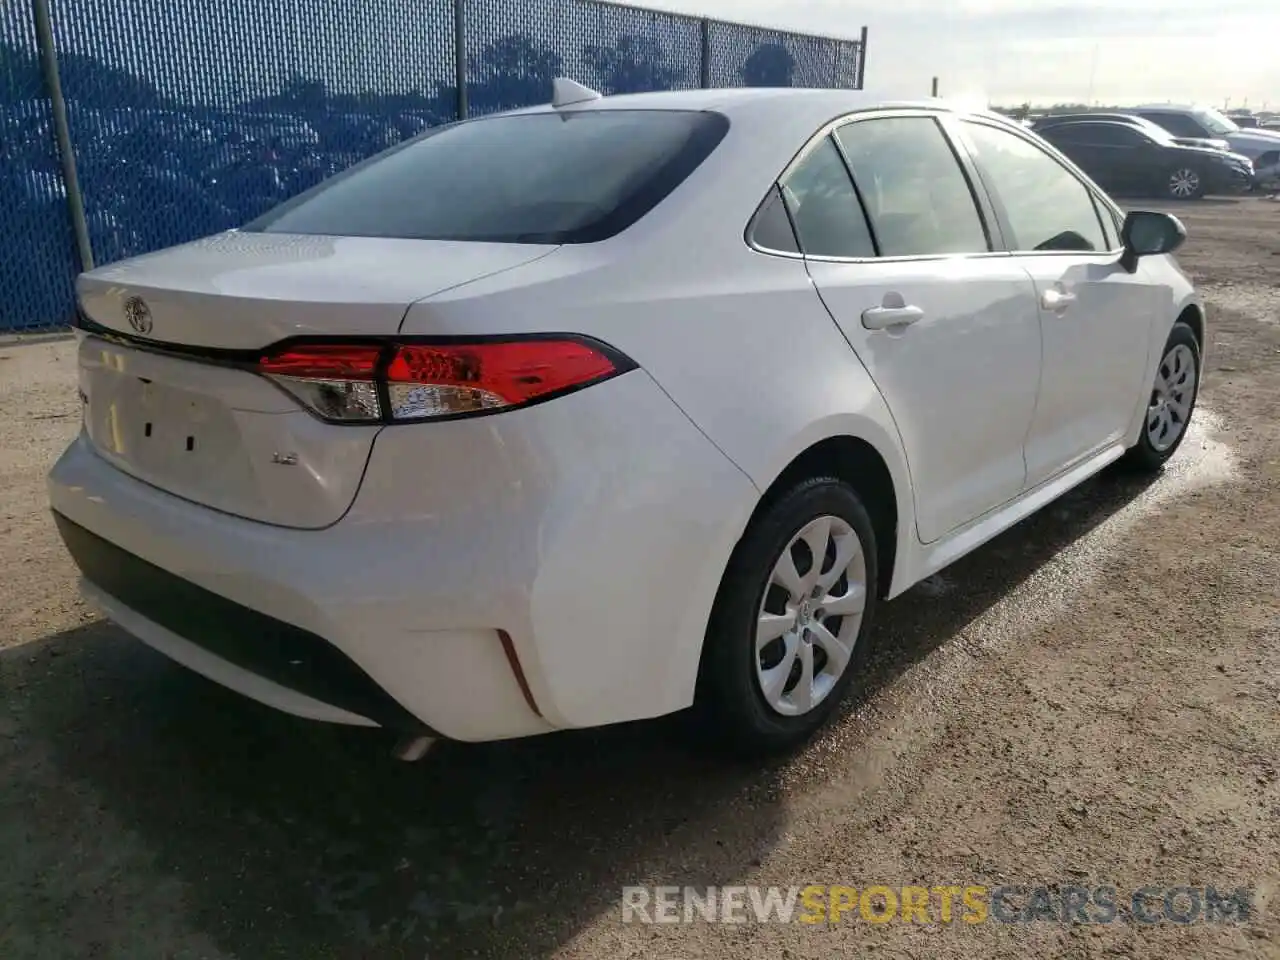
x,y
85,80
770,66
298,92
516,72
633,65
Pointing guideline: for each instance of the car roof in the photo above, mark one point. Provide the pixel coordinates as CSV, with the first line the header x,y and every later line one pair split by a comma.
x,y
1099,123
1111,116
807,105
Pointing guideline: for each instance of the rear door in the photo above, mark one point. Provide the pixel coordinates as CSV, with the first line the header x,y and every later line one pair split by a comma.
x,y
1095,316
903,258
1130,157
1115,155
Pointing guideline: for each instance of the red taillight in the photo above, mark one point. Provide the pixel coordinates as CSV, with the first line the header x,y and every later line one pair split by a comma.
x,y
422,381
442,380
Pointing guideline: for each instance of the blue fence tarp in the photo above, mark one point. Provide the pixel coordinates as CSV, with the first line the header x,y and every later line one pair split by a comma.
x,y
187,118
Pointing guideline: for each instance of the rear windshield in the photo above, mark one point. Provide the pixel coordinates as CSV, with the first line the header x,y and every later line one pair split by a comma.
x,y
573,177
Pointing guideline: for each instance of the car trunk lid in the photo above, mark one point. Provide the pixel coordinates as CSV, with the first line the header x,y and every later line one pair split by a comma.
x,y
247,290
166,362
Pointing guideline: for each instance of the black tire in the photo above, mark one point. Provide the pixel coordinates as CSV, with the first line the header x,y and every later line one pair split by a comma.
x,y
731,709
1144,456
1179,172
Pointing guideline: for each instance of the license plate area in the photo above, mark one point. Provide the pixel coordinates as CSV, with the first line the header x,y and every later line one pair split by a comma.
x,y
161,432
218,435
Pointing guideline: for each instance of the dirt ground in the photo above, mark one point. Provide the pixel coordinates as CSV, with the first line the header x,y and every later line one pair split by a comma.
x,y
1093,698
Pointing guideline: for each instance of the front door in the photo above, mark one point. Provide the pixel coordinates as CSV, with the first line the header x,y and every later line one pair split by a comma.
x,y
1095,317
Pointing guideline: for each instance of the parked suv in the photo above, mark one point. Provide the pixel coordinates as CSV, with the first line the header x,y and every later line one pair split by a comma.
x,y
1129,160
1260,146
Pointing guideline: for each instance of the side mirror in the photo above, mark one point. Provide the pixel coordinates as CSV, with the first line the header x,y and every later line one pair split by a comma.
x,y
1149,234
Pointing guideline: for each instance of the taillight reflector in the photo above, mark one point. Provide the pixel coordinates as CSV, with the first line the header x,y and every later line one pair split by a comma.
x,y
324,361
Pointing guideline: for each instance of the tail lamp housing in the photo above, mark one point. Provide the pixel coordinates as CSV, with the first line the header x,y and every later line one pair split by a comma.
x,y
415,380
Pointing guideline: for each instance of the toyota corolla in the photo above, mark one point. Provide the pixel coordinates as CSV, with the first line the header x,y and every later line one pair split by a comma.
x,y
604,409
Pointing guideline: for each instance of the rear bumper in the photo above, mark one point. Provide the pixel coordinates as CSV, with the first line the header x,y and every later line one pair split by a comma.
x,y
161,607
499,577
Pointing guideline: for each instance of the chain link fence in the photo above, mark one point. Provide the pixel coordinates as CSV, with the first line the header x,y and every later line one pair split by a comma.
x,y
186,118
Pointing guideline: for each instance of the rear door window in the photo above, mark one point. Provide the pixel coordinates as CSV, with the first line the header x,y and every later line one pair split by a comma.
x,y
917,195
572,177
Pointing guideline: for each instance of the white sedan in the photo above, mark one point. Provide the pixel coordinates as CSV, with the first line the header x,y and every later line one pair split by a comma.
x,y
604,409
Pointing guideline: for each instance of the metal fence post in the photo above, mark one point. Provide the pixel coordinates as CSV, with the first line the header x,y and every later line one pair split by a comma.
x,y
705,77
460,55
862,59
62,131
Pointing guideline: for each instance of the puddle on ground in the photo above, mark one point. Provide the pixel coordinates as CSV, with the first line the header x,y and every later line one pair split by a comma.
x,y
1202,461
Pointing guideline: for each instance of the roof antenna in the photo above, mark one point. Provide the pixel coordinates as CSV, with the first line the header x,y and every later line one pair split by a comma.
x,y
566,91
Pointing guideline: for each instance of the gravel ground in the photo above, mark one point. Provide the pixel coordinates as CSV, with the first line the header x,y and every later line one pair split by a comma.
x,y
1090,699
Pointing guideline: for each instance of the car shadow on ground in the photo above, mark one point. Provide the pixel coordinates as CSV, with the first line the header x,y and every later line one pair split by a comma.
x,y
293,839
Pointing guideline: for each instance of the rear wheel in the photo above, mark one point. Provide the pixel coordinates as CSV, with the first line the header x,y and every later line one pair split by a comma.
x,y
787,636
1171,403
1184,183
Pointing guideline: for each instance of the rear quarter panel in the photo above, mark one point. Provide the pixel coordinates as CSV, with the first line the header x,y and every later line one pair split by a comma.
x,y
739,340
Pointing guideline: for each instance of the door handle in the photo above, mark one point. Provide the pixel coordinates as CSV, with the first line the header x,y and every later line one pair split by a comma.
x,y
1057,301
879,318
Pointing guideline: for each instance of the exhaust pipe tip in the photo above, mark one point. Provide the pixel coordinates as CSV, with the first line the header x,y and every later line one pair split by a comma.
x,y
412,748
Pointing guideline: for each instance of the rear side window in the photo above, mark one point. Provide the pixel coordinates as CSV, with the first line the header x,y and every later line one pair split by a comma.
x,y
916,194
1067,133
573,177
828,218
1117,135
771,227
1097,134
1177,124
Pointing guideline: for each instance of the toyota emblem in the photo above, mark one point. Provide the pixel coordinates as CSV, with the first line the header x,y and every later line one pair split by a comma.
x,y
138,314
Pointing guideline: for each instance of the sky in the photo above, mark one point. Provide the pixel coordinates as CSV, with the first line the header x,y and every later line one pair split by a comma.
x,y
1120,52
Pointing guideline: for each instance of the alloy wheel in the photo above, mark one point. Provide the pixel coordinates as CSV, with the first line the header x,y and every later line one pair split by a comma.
x,y
810,616
1171,397
1184,183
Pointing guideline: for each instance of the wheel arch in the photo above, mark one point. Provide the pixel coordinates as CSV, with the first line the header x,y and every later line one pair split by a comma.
x,y
860,464
1193,316
1188,309
876,470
